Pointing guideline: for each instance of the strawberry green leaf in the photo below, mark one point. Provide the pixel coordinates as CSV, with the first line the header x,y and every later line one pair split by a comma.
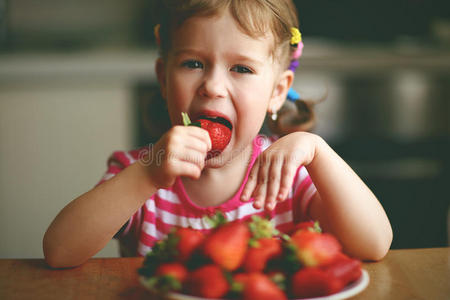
x,y
168,283
163,251
285,237
280,280
216,220
236,287
163,284
316,227
262,228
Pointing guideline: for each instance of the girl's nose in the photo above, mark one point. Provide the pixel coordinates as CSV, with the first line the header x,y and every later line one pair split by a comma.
x,y
213,85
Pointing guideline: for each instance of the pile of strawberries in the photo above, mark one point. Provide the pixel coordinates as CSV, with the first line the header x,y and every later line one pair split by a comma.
x,y
249,260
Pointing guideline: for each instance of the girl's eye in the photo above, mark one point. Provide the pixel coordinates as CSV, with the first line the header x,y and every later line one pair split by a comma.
x,y
241,69
192,64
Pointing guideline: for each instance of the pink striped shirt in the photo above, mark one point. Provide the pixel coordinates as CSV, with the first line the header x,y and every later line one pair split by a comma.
x,y
173,207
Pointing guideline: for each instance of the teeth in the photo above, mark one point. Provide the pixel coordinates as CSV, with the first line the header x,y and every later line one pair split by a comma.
x,y
209,117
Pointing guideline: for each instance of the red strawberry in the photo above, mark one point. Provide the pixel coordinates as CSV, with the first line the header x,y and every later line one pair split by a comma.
x,y
314,248
259,286
313,282
219,134
208,282
307,225
227,245
189,240
176,270
241,279
258,254
326,280
344,268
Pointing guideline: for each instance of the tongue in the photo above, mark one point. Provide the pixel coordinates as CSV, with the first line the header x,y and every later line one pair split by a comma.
x,y
219,134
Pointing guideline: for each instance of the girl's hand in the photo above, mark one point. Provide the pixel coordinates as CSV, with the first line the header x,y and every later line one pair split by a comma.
x,y
179,152
272,174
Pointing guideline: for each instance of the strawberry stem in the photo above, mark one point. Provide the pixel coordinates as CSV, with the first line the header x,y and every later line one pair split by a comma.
x,y
317,227
187,121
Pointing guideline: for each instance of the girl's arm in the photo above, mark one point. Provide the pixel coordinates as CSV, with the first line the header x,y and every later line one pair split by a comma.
x,y
87,223
346,207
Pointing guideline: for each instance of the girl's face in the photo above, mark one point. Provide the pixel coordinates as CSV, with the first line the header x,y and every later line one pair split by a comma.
x,y
215,69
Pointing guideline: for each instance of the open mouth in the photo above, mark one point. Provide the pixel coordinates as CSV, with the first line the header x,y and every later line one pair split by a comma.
x,y
219,129
218,119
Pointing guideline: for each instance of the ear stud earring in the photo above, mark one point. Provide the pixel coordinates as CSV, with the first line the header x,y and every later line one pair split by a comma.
x,y
274,115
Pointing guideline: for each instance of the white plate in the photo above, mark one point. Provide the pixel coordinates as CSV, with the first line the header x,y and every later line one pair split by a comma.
x,y
349,291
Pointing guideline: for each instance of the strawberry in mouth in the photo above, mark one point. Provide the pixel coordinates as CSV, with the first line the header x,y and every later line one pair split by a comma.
x,y
219,130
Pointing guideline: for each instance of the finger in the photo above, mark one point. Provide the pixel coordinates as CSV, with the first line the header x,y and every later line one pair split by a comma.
x,y
192,156
261,188
185,134
273,184
176,167
287,177
201,134
177,152
188,169
251,183
197,145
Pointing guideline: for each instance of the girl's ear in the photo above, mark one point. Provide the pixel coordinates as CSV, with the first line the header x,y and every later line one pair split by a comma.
x,y
161,76
280,91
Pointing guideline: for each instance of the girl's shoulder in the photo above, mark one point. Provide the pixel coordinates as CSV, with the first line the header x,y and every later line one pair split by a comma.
x,y
119,160
125,158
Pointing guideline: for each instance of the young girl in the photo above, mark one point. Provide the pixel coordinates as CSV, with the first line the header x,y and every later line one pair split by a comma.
x,y
221,60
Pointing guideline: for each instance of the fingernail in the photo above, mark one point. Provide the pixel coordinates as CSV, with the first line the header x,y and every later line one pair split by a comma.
x,y
269,206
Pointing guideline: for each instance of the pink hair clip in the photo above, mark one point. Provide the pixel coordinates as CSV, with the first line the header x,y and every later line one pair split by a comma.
x,y
298,51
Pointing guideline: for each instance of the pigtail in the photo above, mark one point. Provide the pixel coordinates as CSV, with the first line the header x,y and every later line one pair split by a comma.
x,y
293,116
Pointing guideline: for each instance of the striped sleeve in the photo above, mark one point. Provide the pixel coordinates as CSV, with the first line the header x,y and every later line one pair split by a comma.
x,y
303,191
118,161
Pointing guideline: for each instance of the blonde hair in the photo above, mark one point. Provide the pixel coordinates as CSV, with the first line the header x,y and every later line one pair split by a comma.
x,y
255,18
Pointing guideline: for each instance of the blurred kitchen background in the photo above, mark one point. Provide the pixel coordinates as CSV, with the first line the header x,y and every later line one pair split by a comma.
x,y
76,77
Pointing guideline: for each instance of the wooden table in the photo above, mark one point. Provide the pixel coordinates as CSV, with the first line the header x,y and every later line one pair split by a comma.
x,y
402,274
